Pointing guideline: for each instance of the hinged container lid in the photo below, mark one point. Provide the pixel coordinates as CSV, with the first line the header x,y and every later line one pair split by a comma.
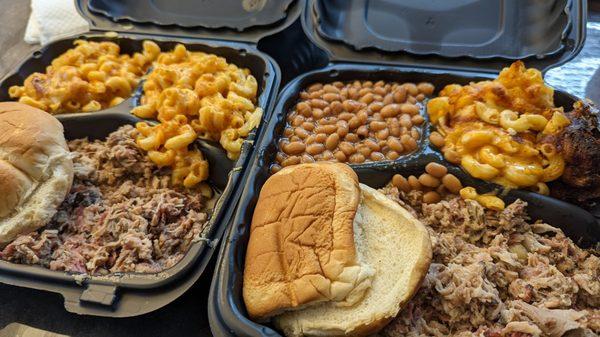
x,y
229,20
476,35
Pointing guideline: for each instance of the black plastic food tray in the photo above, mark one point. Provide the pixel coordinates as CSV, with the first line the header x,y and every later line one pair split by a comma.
x,y
129,294
510,29
227,312
235,14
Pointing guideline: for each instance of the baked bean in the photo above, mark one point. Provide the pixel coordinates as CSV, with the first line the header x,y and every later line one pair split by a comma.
x,y
320,138
352,137
315,94
364,91
336,107
377,125
367,84
362,116
428,180
408,142
304,95
377,98
315,87
363,131
426,88
405,121
300,132
308,126
372,144
410,109
288,132
330,120
379,83
437,139
330,97
436,170
382,134
379,90
400,95
306,158
280,156
346,116
392,155
353,94
411,89
452,183
411,100
388,99
327,111
340,156
338,84
364,150
420,97
377,156
417,119
318,114
391,110
295,138
326,129
347,148
298,119
357,158
304,109
414,183
314,149
354,123
293,148
310,139
351,105
367,99
344,94
382,144
275,168
332,141
395,144
431,197
291,160
414,132
328,88
343,128
400,183
318,103
376,106
327,155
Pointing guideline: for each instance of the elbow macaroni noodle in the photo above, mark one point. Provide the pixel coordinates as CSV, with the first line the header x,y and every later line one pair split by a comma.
x,y
89,77
502,130
195,95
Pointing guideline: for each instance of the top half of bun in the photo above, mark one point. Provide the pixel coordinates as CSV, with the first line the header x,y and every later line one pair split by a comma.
x,y
35,168
302,246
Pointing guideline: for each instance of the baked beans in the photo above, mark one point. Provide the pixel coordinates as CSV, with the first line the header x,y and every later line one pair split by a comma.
x,y
354,122
435,183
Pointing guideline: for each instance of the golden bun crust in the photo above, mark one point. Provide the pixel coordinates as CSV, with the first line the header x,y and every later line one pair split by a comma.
x,y
36,166
302,246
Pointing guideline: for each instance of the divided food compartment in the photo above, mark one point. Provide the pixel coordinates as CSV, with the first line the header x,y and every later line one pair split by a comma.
x,y
227,312
130,294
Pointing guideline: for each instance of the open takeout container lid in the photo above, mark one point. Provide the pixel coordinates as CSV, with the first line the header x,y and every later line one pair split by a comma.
x,y
481,36
229,20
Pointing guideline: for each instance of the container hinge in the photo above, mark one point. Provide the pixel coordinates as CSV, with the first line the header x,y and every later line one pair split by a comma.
x,y
99,294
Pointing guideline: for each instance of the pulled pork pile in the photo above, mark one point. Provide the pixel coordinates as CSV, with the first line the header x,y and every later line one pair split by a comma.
x,y
494,274
121,215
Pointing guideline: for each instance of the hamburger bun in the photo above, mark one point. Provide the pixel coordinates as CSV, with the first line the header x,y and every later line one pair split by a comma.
x,y
398,247
314,219
302,245
36,169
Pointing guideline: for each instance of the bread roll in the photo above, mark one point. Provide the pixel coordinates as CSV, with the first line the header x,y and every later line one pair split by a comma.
x,y
302,244
36,169
398,247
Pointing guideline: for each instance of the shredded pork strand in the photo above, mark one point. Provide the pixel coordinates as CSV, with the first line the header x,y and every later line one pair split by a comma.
x,y
121,215
496,274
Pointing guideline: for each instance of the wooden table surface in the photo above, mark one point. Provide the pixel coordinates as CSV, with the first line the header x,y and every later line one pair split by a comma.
x,y
187,315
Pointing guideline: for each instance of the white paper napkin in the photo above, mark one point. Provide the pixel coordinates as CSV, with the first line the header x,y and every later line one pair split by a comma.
x,y
51,20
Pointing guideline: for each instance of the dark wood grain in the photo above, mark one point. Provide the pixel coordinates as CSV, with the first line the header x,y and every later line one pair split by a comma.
x,y
13,20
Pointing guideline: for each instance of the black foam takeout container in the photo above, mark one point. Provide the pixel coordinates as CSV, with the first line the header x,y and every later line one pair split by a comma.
x,y
227,313
130,294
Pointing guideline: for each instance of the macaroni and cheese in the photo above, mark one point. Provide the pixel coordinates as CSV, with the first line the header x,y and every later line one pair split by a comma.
x,y
501,130
195,95
89,77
